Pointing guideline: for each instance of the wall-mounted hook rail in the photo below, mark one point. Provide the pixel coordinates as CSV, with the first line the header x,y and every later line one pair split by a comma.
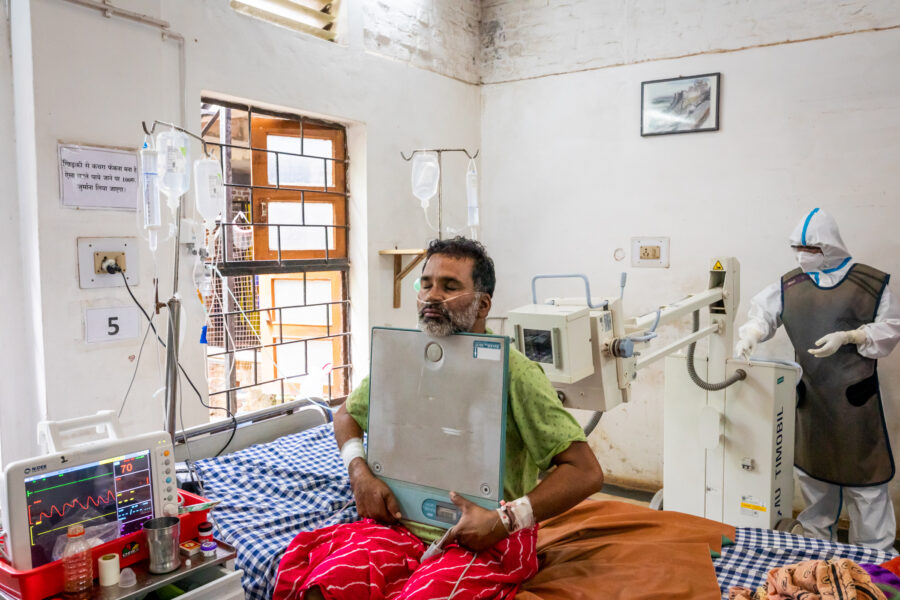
x,y
440,151
181,129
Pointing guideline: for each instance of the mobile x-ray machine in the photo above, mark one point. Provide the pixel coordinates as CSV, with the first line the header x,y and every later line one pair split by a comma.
x,y
728,447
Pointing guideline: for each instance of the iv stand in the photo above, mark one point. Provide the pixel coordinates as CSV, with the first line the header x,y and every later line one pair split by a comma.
x,y
173,305
440,151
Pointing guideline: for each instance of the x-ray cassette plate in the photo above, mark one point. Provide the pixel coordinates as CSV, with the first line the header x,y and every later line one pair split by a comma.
x,y
437,419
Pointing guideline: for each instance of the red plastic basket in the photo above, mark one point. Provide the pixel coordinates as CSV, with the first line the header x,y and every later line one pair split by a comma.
x,y
47,580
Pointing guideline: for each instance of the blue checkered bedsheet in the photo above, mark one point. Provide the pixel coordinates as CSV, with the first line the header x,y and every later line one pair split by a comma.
x,y
756,551
271,492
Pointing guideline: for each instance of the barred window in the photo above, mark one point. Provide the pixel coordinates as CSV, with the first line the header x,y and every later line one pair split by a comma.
x,y
278,316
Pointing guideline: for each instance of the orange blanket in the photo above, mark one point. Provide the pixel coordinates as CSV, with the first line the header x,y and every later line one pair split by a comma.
x,y
618,551
893,566
814,580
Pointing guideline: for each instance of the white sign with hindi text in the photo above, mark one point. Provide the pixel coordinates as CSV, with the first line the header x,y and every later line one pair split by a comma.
x,y
104,178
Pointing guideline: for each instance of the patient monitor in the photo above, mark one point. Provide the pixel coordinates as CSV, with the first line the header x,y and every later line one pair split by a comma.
x,y
114,479
437,420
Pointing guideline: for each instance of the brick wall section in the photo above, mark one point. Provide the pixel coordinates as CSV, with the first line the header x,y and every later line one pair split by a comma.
x,y
529,38
438,35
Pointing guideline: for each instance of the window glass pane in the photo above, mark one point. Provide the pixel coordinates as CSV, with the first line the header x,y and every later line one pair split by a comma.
x,y
289,292
301,238
299,170
321,359
291,358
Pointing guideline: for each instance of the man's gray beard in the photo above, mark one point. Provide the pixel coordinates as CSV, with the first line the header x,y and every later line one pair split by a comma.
x,y
458,322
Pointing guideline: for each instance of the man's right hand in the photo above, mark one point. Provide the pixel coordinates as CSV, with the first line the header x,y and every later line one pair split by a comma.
x,y
374,499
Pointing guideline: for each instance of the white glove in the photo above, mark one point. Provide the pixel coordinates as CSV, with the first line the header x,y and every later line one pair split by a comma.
x,y
750,337
831,343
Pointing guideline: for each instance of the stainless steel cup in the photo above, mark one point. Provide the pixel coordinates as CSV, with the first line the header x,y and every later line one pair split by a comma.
x,y
163,536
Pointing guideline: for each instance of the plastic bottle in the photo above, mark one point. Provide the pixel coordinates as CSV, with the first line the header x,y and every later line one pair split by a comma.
x,y
78,573
173,160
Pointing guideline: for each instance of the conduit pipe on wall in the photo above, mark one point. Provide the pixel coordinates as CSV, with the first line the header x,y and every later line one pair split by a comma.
x,y
109,10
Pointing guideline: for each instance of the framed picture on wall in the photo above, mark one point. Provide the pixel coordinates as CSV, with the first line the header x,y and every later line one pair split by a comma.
x,y
680,105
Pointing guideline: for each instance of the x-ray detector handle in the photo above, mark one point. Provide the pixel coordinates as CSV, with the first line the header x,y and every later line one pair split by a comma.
x,y
58,435
587,287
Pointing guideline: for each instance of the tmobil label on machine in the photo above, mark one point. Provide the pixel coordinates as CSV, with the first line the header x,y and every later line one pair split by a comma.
x,y
487,350
751,506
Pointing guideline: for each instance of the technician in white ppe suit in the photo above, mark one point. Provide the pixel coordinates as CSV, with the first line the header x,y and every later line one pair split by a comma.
x,y
841,317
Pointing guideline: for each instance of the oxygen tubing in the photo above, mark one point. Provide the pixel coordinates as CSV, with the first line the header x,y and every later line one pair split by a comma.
x,y
739,375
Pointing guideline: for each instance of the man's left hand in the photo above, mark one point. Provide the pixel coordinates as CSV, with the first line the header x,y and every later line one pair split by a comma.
x,y
478,528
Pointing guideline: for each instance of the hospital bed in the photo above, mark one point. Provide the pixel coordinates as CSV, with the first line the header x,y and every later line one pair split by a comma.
x,y
268,492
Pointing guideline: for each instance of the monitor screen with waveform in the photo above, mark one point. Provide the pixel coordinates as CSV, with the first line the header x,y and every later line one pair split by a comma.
x,y
115,489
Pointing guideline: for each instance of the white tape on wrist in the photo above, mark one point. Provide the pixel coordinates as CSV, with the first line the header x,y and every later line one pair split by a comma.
x,y
352,448
517,514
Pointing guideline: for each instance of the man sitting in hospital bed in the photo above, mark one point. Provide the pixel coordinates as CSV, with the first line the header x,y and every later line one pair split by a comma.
x,y
488,552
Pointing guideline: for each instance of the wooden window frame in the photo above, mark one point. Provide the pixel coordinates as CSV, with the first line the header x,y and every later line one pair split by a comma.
x,y
266,192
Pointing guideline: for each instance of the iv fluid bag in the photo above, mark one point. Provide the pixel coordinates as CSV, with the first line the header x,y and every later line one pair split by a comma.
x,y
426,176
174,156
150,190
472,194
209,190
203,279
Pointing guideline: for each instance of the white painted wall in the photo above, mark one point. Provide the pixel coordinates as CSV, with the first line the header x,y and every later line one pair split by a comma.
x,y
532,38
441,36
803,125
97,78
10,323
22,389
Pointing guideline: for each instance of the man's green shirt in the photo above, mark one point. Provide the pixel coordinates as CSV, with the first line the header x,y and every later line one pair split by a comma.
x,y
537,429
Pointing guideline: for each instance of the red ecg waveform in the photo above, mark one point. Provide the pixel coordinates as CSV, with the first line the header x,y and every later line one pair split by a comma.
x,y
109,497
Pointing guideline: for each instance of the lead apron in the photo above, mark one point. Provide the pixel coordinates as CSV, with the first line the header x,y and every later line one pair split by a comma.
x,y
841,435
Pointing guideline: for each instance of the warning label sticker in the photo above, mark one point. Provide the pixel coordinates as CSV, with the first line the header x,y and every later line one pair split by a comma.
x,y
751,506
718,266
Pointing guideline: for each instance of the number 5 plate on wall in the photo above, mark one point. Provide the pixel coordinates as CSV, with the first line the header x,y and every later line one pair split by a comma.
x,y
111,324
